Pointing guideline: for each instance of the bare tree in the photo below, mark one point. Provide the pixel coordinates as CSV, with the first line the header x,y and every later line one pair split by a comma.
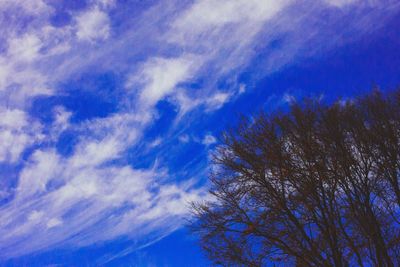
x,y
316,186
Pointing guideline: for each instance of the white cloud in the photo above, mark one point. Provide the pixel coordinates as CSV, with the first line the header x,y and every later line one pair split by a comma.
x,y
217,100
184,138
13,145
34,7
13,119
93,25
156,142
53,223
24,48
207,14
211,102
93,194
139,198
25,71
205,29
96,152
4,72
105,3
209,140
340,3
103,199
35,215
288,98
17,132
242,88
42,167
161,76
223,34
213,18
61,121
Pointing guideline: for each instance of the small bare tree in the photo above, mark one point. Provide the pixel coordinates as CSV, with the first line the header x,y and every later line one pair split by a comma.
x,y
316,186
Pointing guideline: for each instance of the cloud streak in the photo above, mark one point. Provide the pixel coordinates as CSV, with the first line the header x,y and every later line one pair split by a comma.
x,y
189,54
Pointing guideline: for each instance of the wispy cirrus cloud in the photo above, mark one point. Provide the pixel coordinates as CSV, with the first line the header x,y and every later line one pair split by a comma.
x,y
93,25
189,54
16,133
77,202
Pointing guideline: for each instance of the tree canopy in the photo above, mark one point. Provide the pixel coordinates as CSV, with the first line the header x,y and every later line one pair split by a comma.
x,y
315,186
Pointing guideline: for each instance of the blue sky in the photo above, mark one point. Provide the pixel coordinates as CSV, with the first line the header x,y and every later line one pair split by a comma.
x,y
110,110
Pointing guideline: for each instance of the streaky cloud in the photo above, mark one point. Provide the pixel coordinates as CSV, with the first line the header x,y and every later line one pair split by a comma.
x,y
188,54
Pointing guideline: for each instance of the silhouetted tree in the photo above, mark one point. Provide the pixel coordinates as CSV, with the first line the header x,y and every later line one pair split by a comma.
x,y
315,186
